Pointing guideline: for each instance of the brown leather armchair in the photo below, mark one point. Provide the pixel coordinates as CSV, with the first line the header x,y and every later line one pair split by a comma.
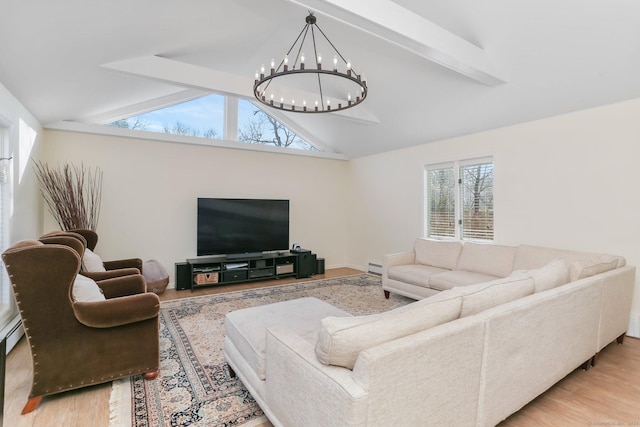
x,y
89,238
75,344
92,240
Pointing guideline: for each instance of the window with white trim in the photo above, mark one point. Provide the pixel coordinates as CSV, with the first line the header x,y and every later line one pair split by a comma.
x,y
459,200
7,304
217,117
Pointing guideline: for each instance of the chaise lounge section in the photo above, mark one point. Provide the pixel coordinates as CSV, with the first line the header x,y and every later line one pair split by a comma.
x,y
468,355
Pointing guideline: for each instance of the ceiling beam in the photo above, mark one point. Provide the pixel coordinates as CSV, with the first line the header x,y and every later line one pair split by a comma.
x,y
396,24
197,77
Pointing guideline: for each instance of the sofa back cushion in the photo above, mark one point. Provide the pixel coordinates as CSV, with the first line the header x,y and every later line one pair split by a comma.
x,y
437,253
581,264
341,339
593,266
552,275
480,297
485,258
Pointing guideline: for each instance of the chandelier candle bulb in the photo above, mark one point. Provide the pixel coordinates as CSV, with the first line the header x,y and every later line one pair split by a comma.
x,y
286,63
302,61
335,63
319,62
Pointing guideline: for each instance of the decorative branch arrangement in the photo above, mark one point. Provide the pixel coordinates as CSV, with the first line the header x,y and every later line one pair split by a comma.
x,y
73,194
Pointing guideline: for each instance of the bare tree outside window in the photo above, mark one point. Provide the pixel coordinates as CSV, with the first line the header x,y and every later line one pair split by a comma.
x,y
261,128
441,203
477,201
470,217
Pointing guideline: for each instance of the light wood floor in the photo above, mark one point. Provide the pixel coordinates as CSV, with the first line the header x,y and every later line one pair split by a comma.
x,y
608,394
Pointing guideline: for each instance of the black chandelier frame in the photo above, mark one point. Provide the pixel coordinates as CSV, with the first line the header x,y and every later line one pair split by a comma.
x,y
322,104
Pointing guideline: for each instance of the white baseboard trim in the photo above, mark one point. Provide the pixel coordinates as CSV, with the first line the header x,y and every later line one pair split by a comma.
x,y
13,332
634,326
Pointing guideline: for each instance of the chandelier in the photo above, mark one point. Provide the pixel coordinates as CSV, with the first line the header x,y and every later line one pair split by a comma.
x,y
308,87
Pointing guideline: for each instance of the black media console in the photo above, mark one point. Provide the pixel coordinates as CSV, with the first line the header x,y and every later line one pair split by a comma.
x,y
220,270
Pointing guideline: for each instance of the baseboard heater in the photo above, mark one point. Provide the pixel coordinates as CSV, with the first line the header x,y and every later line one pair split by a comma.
x,y
375,269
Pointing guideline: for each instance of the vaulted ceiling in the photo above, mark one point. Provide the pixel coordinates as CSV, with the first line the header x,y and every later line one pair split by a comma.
x,y
435,69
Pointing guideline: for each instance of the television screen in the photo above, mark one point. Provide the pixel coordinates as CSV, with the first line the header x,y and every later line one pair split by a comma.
x,y
242,226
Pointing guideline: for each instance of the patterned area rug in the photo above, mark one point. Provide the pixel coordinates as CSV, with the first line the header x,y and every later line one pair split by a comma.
x,y
194,387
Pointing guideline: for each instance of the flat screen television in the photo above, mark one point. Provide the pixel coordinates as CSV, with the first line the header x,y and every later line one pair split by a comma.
x,y
236,227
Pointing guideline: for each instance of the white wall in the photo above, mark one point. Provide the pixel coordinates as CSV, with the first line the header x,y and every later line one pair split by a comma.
x,y
150,190
571,181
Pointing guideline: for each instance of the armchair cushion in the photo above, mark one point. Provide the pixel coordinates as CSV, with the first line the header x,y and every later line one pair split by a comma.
x,y
86,290
92,262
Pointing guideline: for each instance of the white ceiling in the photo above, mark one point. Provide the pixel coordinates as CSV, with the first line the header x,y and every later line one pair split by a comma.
x,y
74,60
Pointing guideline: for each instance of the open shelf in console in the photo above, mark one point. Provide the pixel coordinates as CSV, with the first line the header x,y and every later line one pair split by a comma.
x,y
219,270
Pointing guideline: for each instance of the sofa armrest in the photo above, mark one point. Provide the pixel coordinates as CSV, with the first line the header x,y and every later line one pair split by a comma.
x,y
392,260
302,391
123,286
109,274
117,311
123,263
418,374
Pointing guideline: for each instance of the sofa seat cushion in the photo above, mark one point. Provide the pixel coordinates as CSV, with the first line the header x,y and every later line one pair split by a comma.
x,y
451,279
341,339
485,258
414,274
482,296
247,328
437,253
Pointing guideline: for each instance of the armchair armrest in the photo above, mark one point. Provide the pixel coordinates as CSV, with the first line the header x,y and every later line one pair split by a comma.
x,y
103,275
123,286
117,311
296,382
391,260
123,263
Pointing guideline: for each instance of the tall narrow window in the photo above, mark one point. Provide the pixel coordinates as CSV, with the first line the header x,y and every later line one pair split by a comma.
x,y
441,203
7,305
459,200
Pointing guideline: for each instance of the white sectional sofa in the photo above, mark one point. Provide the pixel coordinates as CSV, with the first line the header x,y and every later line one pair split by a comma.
x,y
501,326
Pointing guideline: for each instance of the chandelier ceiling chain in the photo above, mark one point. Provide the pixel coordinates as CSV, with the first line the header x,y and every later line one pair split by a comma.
x,y
341,83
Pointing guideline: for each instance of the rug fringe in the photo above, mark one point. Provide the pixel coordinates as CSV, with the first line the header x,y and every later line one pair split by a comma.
x,y
120,403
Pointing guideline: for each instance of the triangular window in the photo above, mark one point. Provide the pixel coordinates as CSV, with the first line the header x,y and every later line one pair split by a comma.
x,y
205,117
